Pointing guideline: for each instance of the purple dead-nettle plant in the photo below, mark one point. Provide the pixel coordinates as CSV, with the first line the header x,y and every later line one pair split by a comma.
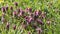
x,y
28,19
16,3
35,17
7,25
20,12
28,10
6,7
14,27
3,9
39,30
14,13
32,15
36,14
43,15
3,19
40,21
11,8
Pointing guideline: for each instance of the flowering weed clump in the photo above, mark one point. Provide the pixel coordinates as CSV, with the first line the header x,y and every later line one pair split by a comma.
x,y
30,17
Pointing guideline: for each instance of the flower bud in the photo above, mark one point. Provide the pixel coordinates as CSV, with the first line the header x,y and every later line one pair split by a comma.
x,y
31,14
3,19
6,7
28,19
3,9
39,30
37,12
21,13
14,27
7,25
29,9
14,13
35,17
19,10
43,15
16,4
11,8
40,21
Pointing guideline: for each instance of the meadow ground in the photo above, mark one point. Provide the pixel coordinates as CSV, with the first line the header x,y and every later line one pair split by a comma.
x,y
29,16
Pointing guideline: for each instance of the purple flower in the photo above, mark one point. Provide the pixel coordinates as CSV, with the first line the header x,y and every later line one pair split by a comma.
x,y
7,25
16,4
37,12
3,19
28,19
28,9
43,15
14,13
35,17
31,14
39,30
14,27
3,9
40,21
20,12
6,7
11,8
